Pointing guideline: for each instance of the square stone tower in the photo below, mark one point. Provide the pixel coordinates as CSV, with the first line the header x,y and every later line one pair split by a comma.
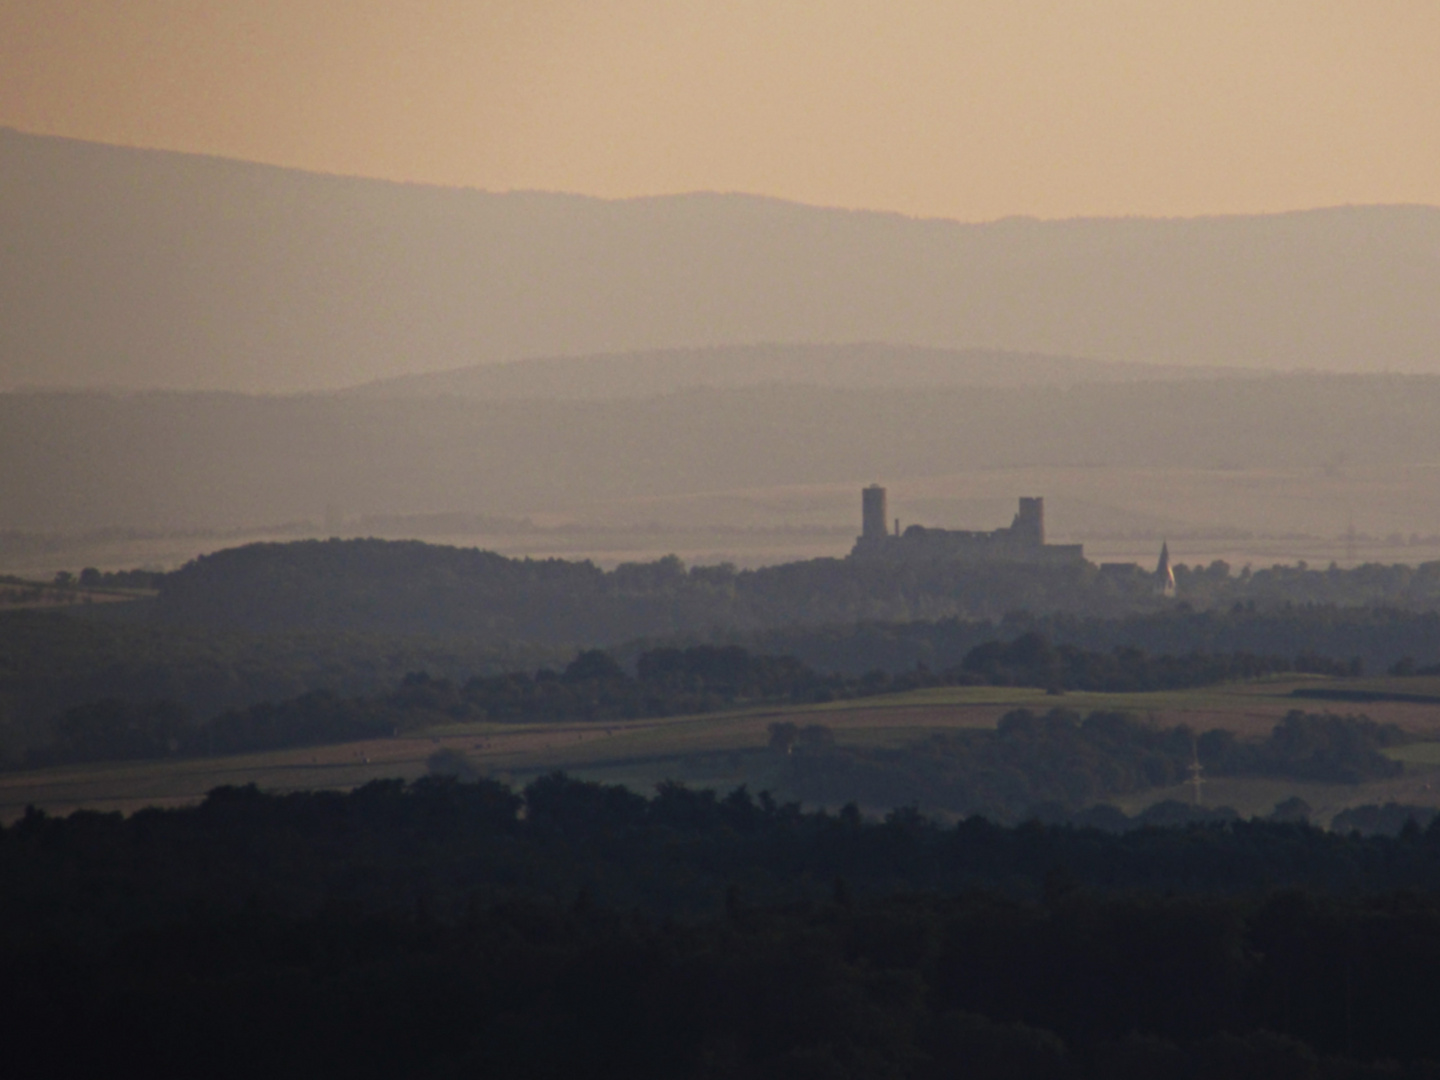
x,y
1029,524
872,511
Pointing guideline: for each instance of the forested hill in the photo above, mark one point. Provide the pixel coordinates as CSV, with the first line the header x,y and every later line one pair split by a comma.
x,y
55,660
408,587
412,587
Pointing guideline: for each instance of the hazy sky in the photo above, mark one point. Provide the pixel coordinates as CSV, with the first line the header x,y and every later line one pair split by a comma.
x,y
973,110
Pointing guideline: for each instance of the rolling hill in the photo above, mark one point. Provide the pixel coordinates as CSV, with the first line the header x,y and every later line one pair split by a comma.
x,y
857,366
146,269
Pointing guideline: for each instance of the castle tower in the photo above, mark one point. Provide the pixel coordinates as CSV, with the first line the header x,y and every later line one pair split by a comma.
x,y
872,511
1029,524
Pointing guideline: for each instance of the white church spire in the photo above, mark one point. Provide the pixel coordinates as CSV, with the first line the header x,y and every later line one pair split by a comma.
x,y
1164,574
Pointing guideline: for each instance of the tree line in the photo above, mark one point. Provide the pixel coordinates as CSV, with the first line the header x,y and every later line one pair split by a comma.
x,y
434,930
594,686
412,587
52,661
1364,639
1062,766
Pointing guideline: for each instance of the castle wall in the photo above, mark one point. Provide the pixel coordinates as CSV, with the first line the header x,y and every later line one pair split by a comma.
x,y
1023,541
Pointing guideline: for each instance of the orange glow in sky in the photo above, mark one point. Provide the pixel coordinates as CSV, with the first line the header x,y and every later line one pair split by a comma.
x,y
971,110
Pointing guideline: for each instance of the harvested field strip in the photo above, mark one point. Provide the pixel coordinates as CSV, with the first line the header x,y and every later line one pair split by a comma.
x,y
716,749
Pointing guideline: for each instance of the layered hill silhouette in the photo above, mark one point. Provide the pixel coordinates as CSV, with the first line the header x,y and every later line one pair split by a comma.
x,y
854,366
146,269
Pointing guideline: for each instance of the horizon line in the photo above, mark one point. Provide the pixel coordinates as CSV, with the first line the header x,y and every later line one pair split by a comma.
x,y
697,193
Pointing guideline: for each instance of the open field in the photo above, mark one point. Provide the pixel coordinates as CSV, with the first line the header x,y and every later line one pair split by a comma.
x,y
724,750
16,592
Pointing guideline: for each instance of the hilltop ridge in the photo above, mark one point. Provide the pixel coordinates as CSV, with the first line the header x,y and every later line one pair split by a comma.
x,y
874,365
150,269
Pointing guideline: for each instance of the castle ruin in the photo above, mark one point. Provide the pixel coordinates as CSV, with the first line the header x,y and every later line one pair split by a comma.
x,y
1022,542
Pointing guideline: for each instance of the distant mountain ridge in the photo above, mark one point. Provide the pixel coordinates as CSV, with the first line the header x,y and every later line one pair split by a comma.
x,y
851,366
148,269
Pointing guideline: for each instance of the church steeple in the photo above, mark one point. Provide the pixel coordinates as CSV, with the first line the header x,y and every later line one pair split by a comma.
x,y
1164,575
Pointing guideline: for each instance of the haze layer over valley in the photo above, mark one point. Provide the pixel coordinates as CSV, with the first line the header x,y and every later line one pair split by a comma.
x,y
1269,468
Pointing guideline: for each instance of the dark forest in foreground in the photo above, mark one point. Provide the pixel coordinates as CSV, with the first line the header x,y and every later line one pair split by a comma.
x,y
430,931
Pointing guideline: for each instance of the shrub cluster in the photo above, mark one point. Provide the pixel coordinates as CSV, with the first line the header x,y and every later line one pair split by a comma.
x,y
1070,762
